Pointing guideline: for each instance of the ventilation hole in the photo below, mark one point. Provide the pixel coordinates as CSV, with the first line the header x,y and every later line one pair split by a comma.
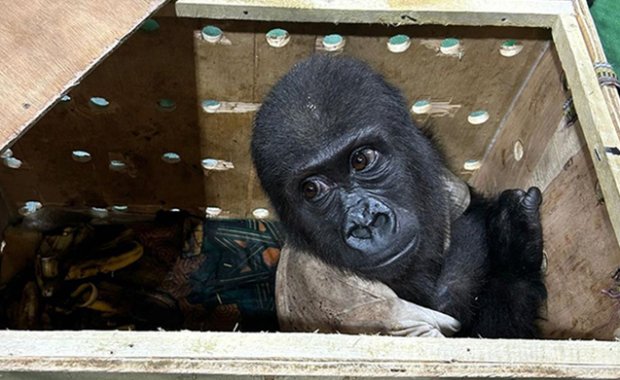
x,y
150,25
6,153
504,19
117,165
472,165
213,211
99,212
421,107
99,101
12,162
65,98
209,163
398,43
211,105
171,157
245,12
478,117
260,213
333,42
212,34
510,48
166,105
517,150
120,208
30,207
277,38
81,156
450,46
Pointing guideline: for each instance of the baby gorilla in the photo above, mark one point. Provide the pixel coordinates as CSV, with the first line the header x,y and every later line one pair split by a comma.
x,y
358,185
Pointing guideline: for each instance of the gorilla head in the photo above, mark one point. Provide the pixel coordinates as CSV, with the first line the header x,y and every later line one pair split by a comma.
x,y
351,177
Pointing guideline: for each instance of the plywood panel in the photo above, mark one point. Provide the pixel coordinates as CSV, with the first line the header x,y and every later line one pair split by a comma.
x,y
582,255
46,47
245,69
150,66
534,117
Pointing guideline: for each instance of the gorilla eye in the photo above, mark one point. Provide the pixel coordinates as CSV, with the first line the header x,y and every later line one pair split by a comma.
x,y
361,158
310,189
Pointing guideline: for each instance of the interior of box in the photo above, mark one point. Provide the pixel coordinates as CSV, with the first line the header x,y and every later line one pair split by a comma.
x,y
164,124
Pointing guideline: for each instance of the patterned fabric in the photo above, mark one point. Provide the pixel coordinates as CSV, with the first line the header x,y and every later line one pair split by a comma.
x,y
225,277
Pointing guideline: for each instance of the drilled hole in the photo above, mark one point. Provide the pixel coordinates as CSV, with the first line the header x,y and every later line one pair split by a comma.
x,y
120,208
81,156
211,105
399,43
471,165
99,212
212,34
99,101
12,162
478,117
166,105
30,207
517,150
150,25
213,211
117,165
421,107
277,38
260,213
333,42
171,157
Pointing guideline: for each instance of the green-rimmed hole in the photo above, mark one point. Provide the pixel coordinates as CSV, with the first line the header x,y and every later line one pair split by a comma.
x,y
150,25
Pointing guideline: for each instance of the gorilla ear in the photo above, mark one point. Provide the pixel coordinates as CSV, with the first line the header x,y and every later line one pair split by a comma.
x,y
458,194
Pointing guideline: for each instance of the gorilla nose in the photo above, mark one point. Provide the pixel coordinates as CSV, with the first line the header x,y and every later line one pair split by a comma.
x,y
368,224
360,232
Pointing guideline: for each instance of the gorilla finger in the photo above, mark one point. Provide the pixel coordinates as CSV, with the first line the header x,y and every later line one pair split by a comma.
x,y
532,199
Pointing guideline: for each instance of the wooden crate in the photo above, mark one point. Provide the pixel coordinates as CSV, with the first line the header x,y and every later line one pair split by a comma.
x,y
528,140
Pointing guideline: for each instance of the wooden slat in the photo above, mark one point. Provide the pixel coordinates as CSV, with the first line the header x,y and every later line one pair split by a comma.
x,y
47,47
297,355
537,13
595,118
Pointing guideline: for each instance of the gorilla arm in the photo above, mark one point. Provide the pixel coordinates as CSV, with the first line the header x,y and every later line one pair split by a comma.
x,y
311,295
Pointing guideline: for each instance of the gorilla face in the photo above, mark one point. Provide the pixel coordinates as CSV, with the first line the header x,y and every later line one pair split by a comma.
x,y
352,179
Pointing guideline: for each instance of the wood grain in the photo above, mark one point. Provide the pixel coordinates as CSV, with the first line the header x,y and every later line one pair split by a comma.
x,y
285,356
47,47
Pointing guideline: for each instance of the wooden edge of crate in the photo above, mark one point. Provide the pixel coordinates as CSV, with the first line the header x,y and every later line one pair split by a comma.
x,y
255,354
593,109
532,13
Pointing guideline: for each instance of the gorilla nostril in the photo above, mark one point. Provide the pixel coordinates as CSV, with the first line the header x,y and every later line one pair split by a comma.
x,y
360,232
379,220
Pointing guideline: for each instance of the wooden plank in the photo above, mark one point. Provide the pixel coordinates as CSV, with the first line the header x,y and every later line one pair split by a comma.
x,y
133,127
595,119
536,13
534,117
47,47
298,355
582,255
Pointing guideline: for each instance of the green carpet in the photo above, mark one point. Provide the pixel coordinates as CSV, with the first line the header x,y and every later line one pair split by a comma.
x,y
606,14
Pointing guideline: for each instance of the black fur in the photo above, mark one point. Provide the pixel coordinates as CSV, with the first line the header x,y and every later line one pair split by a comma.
x,y
387,221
